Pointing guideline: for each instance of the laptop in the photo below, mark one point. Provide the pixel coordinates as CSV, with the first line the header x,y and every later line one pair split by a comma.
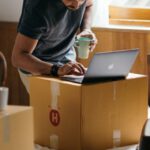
x,y
106,66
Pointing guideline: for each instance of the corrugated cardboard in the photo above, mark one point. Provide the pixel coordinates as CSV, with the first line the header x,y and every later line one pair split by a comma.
x,y
16,128
71,116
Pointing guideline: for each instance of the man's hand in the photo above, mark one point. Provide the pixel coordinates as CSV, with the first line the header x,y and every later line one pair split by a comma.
x,y
71,68
88,33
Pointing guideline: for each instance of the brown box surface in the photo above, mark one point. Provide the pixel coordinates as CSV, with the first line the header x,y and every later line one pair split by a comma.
x,y
16,128
88,117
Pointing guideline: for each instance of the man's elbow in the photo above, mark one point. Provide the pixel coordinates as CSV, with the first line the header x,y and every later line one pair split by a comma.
x,y
15,60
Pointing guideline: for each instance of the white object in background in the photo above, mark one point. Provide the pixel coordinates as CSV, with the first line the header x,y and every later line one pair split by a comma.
x,y
101,13
148,112
119,2
54,141
131,147
4,92
10,10
39,147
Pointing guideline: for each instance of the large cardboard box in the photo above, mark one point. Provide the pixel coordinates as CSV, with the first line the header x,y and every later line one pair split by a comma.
x,y
16,128
70,116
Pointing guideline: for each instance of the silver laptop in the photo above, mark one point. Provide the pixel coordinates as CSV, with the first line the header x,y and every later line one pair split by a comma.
x,y
107,66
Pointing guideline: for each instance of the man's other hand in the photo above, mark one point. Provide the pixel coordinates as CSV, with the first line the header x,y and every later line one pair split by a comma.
x,y
88,33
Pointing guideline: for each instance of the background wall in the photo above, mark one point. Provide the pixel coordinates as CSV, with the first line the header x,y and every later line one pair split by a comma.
x,y
17,92
10,10
109,39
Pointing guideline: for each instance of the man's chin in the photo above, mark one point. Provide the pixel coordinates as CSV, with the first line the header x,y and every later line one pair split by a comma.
x,y
73,9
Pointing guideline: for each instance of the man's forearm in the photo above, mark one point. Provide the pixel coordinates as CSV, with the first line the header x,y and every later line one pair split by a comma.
x,y
22,56
31,64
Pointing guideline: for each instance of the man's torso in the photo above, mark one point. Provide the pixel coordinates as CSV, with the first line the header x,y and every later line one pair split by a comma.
x,y
53,25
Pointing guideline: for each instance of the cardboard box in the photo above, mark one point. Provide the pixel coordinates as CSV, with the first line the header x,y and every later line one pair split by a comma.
x,y
16,128
70,116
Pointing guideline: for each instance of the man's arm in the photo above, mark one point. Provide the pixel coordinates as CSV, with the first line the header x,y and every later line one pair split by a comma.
x,y
22,58
87,18
85,29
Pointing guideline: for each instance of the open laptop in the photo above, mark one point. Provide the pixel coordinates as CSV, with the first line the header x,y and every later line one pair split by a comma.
x,y
107,66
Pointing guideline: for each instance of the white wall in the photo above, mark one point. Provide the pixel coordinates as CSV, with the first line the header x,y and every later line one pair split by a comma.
x,y
101,13
10,10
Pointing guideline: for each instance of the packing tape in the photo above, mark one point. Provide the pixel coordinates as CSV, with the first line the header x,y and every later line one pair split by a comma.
x,y
116,138
54,142
55,91
6,128
114,91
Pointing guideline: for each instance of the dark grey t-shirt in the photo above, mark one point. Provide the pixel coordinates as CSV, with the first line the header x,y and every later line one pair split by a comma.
x,y
54,25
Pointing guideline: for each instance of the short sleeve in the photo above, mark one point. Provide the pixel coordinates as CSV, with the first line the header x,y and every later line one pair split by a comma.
x,y
32,22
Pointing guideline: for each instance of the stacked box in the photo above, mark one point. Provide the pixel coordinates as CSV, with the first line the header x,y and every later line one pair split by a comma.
x,y
16,128
70,116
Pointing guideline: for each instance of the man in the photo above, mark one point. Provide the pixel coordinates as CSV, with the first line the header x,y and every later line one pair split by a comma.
x,y
46,34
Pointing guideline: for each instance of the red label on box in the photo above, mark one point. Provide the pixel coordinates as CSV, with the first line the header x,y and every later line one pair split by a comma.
x,y
54,117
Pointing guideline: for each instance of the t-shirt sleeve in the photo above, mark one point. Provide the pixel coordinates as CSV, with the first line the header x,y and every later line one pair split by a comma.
x,y
32,23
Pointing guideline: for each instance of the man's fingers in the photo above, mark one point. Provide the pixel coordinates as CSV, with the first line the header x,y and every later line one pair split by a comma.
x,y
72,69
75,72
82,67
78,68
93,44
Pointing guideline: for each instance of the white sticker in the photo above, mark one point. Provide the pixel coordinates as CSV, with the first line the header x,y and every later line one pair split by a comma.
x,y
54,141
116,138
6,128
55,91
116,134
